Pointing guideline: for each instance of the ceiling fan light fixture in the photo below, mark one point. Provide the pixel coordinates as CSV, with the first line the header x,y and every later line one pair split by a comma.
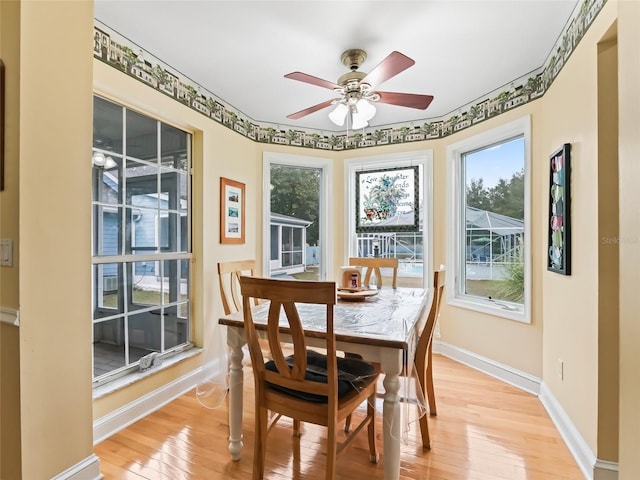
x,y
338,114
357,89
358,121
365,109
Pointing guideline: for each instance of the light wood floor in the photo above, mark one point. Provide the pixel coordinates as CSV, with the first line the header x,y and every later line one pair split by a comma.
x,y
484,430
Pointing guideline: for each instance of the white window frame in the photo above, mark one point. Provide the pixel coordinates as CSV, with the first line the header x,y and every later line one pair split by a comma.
x,y
111,380
326,205
404,159
456,251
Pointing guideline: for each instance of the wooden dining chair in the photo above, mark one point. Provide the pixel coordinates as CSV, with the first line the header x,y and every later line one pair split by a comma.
x,y
424,350
229,282
306,386
373,266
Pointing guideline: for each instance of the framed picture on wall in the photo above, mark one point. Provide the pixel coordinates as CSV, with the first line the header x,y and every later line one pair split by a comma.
x,y
559,239
232,211
387,200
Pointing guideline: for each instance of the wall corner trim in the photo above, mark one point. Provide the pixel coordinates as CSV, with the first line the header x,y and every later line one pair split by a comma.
x,y
605,470
87,469
10,315
582,453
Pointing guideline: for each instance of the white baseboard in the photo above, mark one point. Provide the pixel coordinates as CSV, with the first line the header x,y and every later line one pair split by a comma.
x,y
507,374
121,418
604,470
87,469
582,453
10,316
591,467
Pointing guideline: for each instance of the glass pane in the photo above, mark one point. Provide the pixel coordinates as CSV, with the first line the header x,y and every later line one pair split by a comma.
x,y
108,346
106,178
141,230
295,201
175,328
173,188
494,219
145,286
175,280
142,184
297,238
174,145
107,125
183,310
173,233
108,290
286,239
144,334
142,137
106,230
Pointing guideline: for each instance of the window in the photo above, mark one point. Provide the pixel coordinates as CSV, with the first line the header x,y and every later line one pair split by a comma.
x,y
141,239
296,203
387,176
488,213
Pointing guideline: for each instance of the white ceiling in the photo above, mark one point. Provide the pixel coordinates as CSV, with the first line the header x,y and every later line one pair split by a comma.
x,y
241,50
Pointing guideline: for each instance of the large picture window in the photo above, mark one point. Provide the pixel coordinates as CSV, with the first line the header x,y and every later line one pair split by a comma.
x,y
489,221
141,239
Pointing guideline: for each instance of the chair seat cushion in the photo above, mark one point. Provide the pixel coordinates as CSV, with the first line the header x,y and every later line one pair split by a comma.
x,y
352,374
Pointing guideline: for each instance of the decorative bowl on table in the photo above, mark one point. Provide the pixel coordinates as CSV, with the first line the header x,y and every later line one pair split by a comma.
x,y
356,294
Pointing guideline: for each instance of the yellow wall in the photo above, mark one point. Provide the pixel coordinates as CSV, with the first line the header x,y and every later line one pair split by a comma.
x,y
629,173
9,335
55,223
608,251
570,303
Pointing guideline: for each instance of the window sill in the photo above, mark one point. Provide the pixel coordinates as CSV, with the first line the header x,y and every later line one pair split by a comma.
x,y
488,307
136,375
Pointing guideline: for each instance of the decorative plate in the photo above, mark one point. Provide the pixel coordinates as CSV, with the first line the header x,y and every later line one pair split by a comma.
x,y
355,295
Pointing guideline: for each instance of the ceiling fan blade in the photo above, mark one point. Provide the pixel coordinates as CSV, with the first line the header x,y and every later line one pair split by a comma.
x,y
410,100
391,66
307,111
303,77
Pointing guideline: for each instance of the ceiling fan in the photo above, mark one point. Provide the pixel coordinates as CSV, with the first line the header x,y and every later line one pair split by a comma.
x,y
357,89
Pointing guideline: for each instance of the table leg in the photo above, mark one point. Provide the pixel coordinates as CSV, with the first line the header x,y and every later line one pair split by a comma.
x,y
235,340
391,415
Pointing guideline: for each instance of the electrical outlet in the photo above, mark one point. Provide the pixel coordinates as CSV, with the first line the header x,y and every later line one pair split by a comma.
x,y
6,252
561,369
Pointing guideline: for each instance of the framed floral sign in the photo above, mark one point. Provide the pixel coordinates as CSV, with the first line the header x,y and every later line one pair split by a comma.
x,y
387,200
559,244
232,210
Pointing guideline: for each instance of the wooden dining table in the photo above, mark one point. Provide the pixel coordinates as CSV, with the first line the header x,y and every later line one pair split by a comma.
x,y
380,328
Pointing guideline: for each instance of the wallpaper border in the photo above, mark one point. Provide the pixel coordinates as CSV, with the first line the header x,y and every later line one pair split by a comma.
x,y
120,53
